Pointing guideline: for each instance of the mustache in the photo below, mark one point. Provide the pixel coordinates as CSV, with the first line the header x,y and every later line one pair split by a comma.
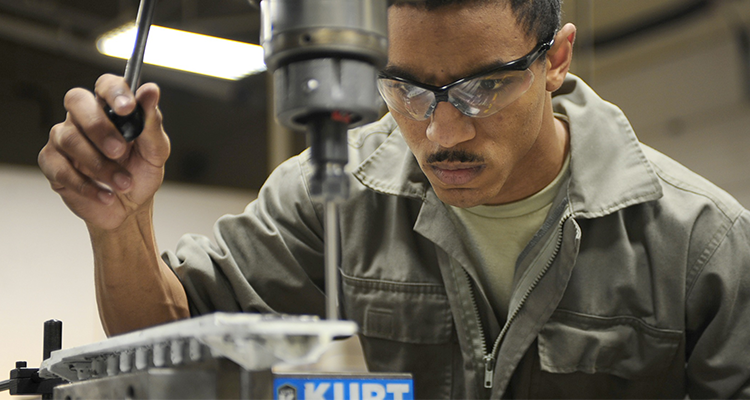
x,y
454,156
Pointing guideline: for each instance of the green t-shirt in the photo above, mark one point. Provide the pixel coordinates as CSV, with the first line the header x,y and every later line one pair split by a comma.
x,y
500,233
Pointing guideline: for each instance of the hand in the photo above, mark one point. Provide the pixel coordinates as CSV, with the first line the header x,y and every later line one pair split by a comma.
x,y
100,177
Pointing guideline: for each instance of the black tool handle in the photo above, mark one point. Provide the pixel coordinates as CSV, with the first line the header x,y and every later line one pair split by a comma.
x,y
129,125
132,125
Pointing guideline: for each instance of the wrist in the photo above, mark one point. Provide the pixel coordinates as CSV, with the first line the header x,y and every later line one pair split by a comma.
x,y
135,221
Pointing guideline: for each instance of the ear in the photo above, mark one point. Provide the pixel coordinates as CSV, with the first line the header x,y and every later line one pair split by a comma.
x,y
560,56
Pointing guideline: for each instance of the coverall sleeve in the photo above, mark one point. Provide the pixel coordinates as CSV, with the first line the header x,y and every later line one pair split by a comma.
x,y
718,318
267,259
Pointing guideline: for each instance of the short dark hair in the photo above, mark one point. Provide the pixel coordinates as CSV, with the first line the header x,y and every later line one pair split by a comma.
x,y
540,19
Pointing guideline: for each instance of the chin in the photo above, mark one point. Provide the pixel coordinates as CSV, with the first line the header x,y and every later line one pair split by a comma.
x,y
461,198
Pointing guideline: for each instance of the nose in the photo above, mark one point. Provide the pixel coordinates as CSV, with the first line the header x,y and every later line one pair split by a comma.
x,y
449,127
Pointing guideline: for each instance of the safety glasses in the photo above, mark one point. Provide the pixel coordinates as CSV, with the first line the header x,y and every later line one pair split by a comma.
x,y
479,95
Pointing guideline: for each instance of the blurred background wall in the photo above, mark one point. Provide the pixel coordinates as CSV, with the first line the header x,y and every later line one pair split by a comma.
x,y
680,69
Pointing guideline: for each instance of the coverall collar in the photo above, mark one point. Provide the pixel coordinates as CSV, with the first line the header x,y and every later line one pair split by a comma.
x,y
604,177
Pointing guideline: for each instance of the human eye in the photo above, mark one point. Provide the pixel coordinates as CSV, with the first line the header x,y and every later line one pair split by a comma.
x,y
489,84
393,84
403,88
496,83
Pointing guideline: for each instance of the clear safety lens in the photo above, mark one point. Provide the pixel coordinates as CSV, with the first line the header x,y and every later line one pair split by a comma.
x,y
479,97
407,99
484,96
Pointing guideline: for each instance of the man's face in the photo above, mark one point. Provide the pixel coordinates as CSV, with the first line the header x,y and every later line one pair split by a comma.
x,y
469,161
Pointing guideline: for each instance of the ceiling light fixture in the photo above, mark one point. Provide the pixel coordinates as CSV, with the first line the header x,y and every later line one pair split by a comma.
x,y
187,51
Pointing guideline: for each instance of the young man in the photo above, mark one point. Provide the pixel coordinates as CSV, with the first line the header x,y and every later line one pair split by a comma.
x,y
506,234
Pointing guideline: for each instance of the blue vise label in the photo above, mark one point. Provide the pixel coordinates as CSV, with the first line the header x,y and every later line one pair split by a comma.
x,y
330,387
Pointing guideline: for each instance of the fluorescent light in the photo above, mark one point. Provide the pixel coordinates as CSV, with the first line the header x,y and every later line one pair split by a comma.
x,y
187,51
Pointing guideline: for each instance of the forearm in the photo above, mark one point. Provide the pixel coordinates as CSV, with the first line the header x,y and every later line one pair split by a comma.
x,y
134,287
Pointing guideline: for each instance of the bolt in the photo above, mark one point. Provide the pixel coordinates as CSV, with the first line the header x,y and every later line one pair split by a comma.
x,y
311,85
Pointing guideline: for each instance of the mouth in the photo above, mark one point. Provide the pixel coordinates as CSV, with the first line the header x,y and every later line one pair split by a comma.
x,y
456,174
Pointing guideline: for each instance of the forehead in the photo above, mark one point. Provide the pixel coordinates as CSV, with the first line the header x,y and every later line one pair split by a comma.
x,y
440,46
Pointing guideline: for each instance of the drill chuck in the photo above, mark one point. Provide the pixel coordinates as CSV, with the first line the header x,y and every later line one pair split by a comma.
x,y
324,56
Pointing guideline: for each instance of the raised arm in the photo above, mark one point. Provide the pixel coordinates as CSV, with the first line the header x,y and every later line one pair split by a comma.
x,y
110,184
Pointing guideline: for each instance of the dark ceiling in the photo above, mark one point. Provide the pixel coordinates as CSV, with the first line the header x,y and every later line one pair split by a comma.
x,y
86,19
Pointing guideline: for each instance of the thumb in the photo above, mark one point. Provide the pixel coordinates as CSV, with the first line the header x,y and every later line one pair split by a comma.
x,y
153,143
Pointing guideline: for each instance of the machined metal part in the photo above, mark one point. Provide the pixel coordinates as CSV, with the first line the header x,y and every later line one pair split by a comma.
x,y
217,356
253,341
212,379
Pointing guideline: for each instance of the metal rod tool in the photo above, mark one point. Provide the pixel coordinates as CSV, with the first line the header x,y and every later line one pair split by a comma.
x,y
331,257
132,125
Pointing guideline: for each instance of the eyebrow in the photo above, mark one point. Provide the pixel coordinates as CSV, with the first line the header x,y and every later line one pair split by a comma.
x,y
395,70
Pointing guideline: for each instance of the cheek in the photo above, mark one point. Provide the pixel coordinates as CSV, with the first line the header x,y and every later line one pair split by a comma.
x,y
526,115
412,131
510,134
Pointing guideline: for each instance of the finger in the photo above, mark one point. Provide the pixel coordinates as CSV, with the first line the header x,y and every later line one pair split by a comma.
x,y
67,181
86,113
87,159
114,91
153,143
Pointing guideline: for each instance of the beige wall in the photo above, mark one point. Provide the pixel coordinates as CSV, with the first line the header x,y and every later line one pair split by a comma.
x,y
692,107
681,85
46,267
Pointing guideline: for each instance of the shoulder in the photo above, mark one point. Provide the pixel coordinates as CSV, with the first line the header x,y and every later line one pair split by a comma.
x,y
690,188
715,226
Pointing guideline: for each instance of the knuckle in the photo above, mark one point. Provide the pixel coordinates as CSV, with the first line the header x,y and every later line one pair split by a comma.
x,y
73,97
56,187
103,79
56,129
105,83
56,132
41,158
67,139
61,177
51,165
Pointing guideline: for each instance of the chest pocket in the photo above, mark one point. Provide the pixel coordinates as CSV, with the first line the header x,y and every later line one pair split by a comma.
x,y
621,346
406,327
416,313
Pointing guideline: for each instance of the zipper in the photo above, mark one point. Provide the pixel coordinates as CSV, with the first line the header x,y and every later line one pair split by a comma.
x,y
475,307
489,357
